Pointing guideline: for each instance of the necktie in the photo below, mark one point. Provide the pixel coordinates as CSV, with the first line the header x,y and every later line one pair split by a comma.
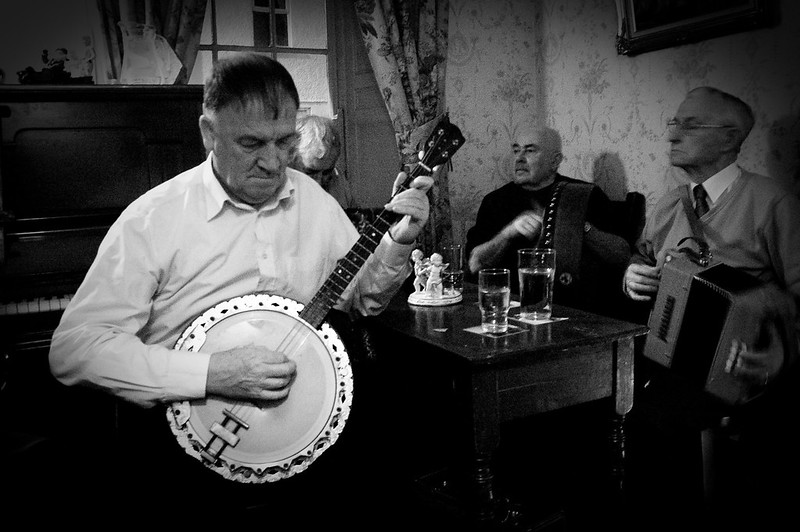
x,y
701,203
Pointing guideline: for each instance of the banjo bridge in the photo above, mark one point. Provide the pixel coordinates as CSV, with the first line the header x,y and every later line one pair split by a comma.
x,y
222,432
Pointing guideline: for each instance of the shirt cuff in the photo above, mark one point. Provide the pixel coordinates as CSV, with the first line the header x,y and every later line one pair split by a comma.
x,y
191,373
393,253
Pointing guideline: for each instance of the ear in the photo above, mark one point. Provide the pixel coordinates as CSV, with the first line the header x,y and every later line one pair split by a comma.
x,y
207,131
733,139
557,158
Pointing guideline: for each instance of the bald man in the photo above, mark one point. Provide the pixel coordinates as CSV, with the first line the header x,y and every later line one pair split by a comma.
x,y
512,217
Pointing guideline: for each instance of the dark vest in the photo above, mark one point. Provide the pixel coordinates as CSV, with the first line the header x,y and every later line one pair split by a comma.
x,y
563,229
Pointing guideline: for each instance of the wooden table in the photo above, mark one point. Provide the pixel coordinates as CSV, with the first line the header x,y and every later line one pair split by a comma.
x,y
533,369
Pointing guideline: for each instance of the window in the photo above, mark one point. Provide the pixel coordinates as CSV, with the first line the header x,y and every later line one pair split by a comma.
x,y
295,32
269,20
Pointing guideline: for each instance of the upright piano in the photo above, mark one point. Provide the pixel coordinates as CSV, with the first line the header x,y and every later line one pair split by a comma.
x,y
71,159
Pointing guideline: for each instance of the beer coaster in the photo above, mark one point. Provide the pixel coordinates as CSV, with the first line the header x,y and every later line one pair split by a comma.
x,y
513,314
535,322
512,329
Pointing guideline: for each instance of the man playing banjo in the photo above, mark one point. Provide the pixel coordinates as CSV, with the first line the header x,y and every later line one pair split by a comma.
x,y
239,223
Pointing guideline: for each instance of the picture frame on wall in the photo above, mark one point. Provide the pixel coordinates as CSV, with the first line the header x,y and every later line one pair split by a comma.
x,y
647,25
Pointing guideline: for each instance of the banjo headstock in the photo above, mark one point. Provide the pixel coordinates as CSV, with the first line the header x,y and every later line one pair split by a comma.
x,y
440,146
445,140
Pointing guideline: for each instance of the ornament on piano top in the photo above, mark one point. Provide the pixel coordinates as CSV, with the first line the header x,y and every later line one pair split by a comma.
x,y
434,285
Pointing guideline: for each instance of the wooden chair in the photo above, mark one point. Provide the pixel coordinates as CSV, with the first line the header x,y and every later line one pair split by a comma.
x,y
631,216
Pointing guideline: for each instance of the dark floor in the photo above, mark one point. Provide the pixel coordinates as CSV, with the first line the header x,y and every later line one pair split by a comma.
x,y
556,467
563,485
389,471
554,472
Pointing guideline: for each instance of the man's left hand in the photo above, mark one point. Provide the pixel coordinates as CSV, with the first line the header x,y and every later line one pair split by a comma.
x,y
413,205
758,365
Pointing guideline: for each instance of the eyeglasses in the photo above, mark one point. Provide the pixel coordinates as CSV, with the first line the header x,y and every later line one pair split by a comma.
x,y
318,174
677,125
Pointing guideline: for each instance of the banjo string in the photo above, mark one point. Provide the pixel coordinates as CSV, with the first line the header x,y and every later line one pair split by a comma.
x,y
290,344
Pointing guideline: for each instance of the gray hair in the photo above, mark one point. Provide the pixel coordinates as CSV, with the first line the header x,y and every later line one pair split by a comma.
x,y
740,113
318,138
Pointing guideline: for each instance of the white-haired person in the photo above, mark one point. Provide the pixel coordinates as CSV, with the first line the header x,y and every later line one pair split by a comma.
x,y
318,149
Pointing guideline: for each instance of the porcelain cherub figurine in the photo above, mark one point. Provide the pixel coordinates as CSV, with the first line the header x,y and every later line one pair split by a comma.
x,y
420,270
435,269
428,287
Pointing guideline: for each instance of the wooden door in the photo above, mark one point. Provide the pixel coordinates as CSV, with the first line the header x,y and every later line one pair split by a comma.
x,y
370,156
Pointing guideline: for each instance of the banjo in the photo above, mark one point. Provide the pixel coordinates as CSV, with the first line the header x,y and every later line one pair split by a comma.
x,y
256,443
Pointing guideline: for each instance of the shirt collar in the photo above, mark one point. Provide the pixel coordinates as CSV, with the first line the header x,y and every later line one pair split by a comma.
x,y
718,183
218,198
215,194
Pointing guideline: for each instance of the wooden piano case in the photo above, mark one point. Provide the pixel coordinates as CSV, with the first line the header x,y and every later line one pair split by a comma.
x,y
71,158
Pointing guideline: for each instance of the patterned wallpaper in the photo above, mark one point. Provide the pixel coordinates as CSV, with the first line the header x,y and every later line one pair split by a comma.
x,y
557,59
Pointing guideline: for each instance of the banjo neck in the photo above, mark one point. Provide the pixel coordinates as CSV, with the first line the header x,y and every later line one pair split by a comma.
x,y
346,269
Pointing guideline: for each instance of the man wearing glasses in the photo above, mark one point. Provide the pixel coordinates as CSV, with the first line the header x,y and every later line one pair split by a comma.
x,y
749,223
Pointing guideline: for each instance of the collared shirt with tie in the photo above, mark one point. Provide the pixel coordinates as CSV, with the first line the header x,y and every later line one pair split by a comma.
x,y
715,187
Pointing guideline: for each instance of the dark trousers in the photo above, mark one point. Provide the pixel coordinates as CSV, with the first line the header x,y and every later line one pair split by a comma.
x,y
751,462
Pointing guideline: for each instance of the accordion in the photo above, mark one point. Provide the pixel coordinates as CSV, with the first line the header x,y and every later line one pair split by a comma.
x,y
699,310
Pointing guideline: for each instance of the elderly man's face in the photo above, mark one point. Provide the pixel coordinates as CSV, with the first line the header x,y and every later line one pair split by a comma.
x,y
535,158
322,170
694,146
251,150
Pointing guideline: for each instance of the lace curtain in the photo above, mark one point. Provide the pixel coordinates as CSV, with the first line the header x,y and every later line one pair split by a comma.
x,y
180,22
406,41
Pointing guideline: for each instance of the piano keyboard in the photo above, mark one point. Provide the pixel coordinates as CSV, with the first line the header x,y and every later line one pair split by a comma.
x,y
33,306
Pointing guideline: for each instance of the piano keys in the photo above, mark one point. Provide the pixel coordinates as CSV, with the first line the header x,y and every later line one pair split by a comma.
x,y
35,305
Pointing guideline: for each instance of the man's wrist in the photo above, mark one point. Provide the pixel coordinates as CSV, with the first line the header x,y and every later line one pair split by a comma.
x,y
396,241
507,234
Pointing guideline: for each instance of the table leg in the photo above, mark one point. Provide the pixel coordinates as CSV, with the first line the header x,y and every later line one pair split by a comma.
x,y
623,403
617,442
490,509
482,483
476,397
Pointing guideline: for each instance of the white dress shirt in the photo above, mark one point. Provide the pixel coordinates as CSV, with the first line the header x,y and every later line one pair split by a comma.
x,y
182,248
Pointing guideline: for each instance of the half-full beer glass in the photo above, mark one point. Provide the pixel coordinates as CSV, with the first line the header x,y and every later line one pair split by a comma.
x,y
537,271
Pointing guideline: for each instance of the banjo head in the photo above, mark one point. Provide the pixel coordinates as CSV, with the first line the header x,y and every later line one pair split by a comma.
x,y
256,443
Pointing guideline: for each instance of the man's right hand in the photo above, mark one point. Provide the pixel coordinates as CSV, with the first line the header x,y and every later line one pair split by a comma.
x,y
250,372
528,224
641,281
486,255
